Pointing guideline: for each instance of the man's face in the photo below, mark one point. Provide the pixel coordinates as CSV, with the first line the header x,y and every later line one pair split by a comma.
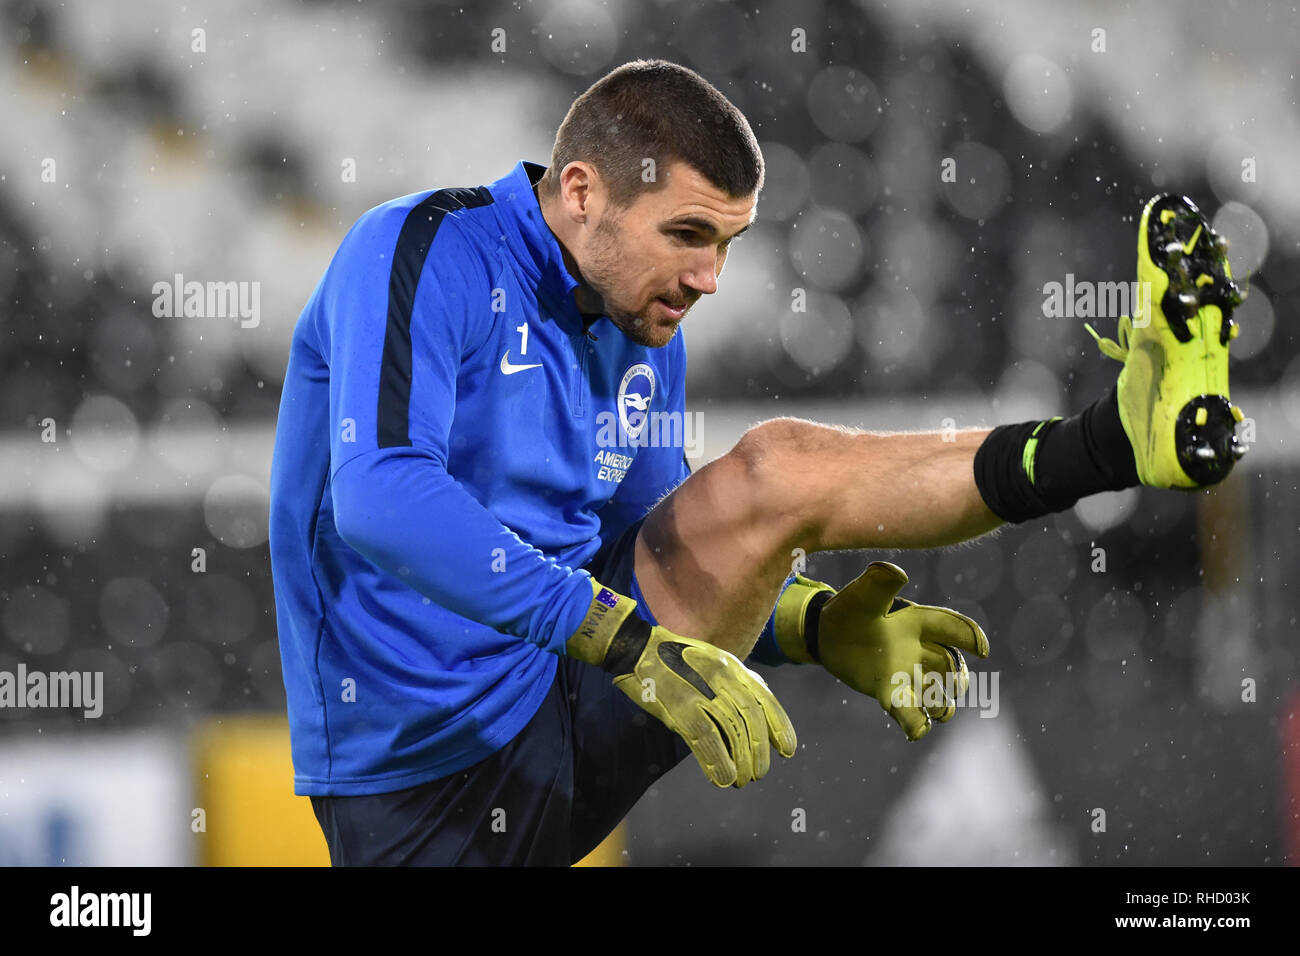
x,y
667,249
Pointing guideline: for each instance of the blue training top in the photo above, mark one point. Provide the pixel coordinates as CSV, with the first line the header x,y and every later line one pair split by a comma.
x,y
453,444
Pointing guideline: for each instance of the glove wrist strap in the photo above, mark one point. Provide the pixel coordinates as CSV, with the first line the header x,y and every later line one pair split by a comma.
x,y
611,636
812,621
799,605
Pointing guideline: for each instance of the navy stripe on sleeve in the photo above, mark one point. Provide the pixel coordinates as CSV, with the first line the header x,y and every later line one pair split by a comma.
x,y
413,244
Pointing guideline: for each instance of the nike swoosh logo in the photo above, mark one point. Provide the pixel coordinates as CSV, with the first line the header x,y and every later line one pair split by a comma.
x,y
670,652
1191,243
509,368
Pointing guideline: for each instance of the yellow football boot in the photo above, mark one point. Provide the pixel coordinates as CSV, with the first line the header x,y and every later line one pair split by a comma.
x,y
1173,389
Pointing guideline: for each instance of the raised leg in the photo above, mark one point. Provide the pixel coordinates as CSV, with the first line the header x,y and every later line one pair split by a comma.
x,y
711,557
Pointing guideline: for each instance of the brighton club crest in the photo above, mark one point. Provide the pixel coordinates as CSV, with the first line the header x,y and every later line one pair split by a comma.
x,y
634,395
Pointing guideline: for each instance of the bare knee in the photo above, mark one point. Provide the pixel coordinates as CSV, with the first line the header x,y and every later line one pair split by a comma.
x,y
780,445
777,459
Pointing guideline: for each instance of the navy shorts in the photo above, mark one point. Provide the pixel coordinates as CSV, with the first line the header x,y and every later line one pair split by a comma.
x,y
546,798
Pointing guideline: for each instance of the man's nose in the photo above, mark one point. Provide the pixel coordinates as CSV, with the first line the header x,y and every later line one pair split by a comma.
x,y
704,278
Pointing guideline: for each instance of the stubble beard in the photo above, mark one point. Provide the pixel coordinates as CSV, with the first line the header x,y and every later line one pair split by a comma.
x,y
604,257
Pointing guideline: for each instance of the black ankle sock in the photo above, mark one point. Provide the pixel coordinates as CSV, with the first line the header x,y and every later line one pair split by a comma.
x,y
1088,453
1073,458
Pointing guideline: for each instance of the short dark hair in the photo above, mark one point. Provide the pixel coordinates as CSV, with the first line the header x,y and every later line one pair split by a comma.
x,y
656,109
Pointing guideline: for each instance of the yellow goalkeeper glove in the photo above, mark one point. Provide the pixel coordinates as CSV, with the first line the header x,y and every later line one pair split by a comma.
x,y
875,641
722,709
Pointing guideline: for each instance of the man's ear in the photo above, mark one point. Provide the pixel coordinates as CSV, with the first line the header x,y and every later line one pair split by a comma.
x,y
577,182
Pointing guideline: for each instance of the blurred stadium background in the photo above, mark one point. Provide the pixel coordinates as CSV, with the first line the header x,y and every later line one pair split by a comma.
x,y
237,141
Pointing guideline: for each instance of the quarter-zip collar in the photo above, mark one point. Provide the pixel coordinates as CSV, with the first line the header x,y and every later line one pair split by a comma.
x,y
533,244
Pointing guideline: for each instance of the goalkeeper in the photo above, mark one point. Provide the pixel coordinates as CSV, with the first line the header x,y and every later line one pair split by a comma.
x,y
505,609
